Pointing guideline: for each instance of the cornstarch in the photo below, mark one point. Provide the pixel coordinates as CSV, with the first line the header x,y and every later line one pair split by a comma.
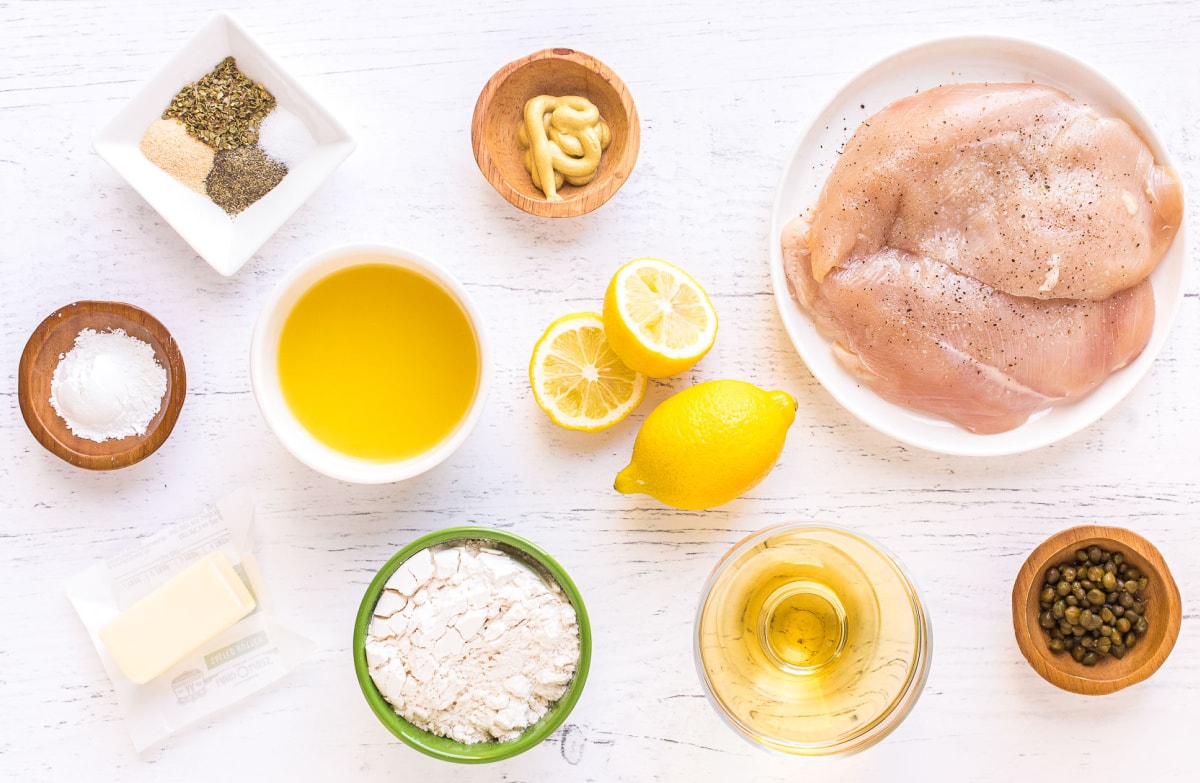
x,y
470,643
108,386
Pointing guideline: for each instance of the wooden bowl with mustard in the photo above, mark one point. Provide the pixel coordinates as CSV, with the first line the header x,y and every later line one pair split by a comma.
x,y
511,159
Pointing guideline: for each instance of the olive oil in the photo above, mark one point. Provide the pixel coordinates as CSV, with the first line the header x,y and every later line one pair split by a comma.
x,y
810,640
378,362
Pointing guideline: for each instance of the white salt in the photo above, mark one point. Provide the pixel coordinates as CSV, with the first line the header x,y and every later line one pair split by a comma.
x,y
285,137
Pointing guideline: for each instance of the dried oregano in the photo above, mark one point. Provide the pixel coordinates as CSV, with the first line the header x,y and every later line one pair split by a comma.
x,y
223,109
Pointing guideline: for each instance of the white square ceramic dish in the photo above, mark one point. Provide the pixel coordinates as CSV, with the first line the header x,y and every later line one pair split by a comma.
x,y
224,242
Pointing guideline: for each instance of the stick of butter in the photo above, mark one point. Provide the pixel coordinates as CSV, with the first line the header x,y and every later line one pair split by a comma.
x,y
158,631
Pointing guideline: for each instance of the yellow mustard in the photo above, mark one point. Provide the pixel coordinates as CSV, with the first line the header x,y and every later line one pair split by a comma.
x,y
561,140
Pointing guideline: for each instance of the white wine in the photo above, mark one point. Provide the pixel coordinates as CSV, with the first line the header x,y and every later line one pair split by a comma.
x,y
811,640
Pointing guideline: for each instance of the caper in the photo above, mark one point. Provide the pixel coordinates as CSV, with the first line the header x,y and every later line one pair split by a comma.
x,y
1090,608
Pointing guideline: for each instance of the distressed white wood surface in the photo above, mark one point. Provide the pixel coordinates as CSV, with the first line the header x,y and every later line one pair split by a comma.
x,y
724,90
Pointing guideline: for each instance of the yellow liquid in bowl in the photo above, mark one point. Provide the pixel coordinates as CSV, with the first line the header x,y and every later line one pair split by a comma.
x,y
378,362
811,641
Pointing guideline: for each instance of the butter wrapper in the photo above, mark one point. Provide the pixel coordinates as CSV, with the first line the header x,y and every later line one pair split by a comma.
x,y
243,659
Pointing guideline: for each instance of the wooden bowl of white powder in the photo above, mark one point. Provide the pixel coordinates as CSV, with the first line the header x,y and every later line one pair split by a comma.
x,y
472,645
101,384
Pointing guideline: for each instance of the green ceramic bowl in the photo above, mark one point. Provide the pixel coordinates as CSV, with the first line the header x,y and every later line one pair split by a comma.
x,y
448,749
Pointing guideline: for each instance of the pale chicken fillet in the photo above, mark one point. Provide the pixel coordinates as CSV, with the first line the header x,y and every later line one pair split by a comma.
x,y
925,337
981,251
1016,185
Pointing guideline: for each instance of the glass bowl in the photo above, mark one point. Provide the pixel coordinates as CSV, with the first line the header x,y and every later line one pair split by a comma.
x,y
441,747
811,640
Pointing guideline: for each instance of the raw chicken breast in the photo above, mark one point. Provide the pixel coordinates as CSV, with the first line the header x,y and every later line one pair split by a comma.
x,y
1016,185
926,337
981,251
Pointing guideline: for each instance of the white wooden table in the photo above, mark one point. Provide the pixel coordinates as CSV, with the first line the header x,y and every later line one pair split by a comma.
x,y
724,90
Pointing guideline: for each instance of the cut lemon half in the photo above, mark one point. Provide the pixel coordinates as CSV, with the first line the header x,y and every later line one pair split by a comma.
x,y
658,318
577,378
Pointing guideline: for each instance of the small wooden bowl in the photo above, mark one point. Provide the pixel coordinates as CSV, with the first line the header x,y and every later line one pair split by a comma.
x,y
1163,612
53,338
499,111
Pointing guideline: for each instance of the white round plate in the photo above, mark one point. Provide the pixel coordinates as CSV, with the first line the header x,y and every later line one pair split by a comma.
x,y
958,60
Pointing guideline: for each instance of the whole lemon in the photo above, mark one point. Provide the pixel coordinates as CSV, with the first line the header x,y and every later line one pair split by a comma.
x,y
708,444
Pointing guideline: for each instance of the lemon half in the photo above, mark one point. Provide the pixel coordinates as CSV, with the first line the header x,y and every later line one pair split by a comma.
x,y
708,444
578,380
658,318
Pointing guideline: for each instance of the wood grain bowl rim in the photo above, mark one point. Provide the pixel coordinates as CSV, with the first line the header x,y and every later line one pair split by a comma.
x,y
1059,669
577,201
45,424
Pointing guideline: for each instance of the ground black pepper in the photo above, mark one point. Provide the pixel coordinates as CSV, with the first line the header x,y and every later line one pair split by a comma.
x,y
242,176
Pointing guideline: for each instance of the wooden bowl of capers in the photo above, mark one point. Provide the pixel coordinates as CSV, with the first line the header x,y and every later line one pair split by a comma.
x,y
1095,609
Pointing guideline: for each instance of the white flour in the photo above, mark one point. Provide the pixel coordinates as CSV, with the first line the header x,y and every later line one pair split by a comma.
x,y
108,386
471,644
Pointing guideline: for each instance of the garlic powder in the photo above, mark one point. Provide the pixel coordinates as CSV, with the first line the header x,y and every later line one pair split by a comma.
x,y
470,643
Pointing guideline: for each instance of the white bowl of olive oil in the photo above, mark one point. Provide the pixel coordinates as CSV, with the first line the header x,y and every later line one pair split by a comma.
x,y
370,363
